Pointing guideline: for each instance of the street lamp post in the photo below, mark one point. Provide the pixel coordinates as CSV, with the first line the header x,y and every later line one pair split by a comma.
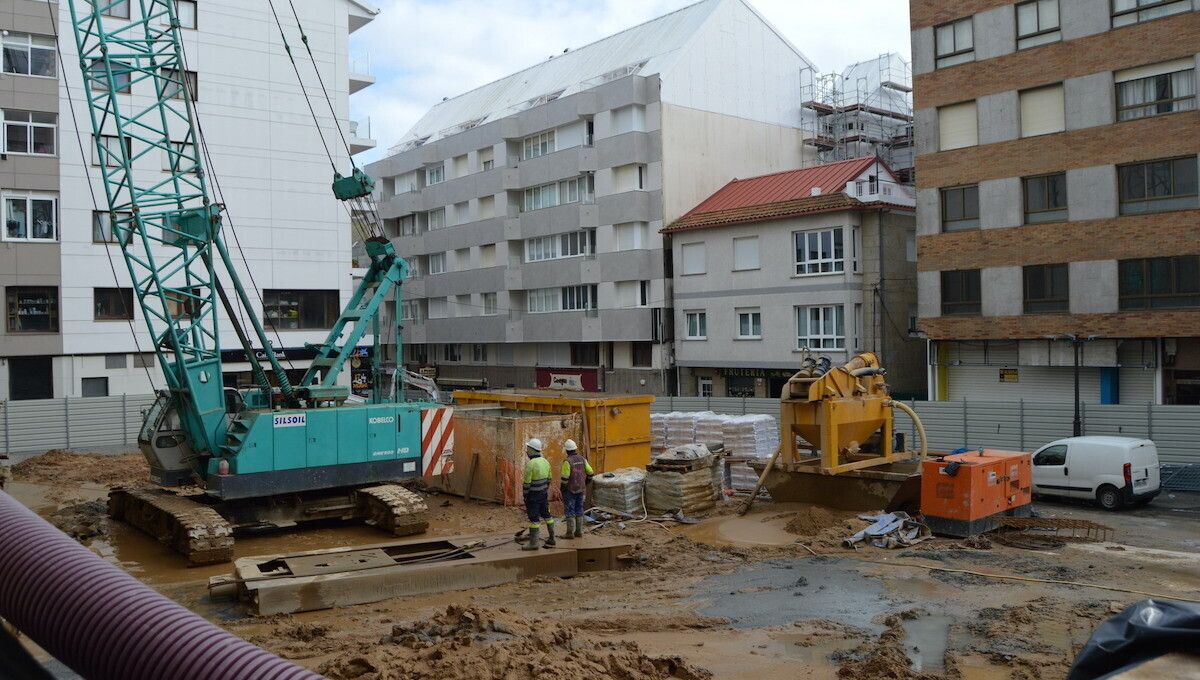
x,y
1077,347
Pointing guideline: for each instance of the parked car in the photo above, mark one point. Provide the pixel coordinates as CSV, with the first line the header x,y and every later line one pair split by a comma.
x,y
1113,471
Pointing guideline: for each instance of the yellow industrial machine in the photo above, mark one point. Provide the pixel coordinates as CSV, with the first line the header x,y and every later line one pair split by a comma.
x,y
837,443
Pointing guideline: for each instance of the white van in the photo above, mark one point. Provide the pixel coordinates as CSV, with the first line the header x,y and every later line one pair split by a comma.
x,y
1114,471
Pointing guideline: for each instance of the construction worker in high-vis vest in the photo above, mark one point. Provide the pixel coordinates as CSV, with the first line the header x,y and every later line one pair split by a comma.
x,y
576,474
537,495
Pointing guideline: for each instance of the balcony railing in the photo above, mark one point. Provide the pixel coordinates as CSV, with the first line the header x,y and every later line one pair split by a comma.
x,y
361,65
361,128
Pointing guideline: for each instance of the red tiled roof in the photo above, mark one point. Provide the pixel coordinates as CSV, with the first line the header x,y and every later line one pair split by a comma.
x,y
779,195
785,186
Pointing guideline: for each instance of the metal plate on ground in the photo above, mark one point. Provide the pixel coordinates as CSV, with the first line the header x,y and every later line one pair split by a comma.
x,y
311,565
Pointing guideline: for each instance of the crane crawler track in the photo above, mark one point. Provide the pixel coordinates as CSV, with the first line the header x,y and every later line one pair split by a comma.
x,y
187,526
393,508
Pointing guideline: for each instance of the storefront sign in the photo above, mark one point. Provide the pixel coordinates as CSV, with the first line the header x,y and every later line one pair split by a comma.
x,y
755,373
1009,375
430,372
233,356
579,380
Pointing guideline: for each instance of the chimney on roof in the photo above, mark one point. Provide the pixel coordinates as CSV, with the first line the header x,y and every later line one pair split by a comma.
x,y
816,191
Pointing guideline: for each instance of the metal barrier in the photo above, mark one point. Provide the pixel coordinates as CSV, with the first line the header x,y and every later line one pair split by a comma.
x,y
1012,425
79,423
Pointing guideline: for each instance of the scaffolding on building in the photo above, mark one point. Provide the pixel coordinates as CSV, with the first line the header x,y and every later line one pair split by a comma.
x,y
865,110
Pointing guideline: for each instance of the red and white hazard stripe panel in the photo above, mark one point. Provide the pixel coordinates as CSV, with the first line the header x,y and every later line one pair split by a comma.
x,y
437,441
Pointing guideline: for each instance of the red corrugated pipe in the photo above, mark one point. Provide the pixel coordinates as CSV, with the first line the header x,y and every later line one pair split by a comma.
x,y
103,623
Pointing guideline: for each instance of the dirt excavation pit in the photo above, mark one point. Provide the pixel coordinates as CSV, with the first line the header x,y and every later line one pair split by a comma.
x,y
467,642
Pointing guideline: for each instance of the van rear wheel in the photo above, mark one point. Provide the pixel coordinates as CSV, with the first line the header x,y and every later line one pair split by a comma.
x,y
1109,497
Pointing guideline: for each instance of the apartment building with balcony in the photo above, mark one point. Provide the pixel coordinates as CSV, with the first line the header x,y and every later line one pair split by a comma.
x,y
1058,208
811,263
530,208
68,302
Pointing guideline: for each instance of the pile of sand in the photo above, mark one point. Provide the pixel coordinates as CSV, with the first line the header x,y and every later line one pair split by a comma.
x,y
82,521
62,468
883,658
468,642
823,529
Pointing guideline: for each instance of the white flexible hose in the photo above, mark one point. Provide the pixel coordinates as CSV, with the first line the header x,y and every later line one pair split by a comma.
x,y
916,423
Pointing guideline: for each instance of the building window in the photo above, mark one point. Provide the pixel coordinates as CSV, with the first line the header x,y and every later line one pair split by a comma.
x,y
960,208
452,352
489,164
538,145
30,218
958,126
745,253
693,257
704,386
114,362
749,324
572,244
1046,288
569,298
1043,111
102,231
1046,198
910,247
740,386
181,158
1037,23
632,235
819,252
955,42
961,292
490,307
579,298
118,9
1160,282
1155,90
642,354
172,83
408,225
697,325
437,263
821,327
30,132
643,294
1129,12
435,219
557,193
300,309
479,353
185,11
1158,186
107,151
435,174
585,354
410,310
145,360
641,180
29,55
94,387
32,309
112,304
121,75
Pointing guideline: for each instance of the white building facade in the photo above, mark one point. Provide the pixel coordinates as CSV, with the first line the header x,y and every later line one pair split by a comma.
x,y
531,208
68,322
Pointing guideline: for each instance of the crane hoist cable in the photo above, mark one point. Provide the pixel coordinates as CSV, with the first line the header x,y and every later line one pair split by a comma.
x,y
95,203
328,100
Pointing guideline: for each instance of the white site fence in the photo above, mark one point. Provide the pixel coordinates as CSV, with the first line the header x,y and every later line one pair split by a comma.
x,y
1014,426
79,423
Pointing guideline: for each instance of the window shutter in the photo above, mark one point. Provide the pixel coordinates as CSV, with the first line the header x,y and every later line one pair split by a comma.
x,y
958,126
1042,111
693,258
745,253
1154,70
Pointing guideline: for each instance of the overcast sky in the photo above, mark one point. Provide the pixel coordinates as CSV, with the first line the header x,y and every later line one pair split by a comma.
x,y
424,50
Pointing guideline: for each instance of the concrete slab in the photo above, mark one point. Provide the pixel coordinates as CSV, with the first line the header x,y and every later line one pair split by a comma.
x,y
339,577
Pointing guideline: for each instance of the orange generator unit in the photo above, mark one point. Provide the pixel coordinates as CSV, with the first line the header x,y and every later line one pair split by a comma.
x,y
966,494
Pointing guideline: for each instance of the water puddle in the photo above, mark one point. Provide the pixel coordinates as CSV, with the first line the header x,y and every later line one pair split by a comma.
x,y
926,641
750,531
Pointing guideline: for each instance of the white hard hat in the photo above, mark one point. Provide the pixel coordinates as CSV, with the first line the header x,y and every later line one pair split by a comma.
x,y
535,444
569,445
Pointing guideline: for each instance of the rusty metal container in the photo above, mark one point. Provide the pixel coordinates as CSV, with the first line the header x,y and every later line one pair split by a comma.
x,y
616,429
489,450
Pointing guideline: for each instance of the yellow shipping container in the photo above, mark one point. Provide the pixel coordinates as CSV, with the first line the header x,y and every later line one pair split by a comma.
x,y
616,429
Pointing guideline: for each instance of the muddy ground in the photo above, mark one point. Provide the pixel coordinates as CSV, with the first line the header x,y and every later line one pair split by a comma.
x,y
772,594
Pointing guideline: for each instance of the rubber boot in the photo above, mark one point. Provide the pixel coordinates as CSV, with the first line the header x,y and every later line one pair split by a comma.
x,y
549,535
579,527
533,542
567,534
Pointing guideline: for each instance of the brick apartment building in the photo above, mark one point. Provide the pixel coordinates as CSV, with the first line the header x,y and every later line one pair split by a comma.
x,y
1058,209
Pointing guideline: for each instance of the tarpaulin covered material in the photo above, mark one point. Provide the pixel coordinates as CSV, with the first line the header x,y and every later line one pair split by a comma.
x,y
1142,632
